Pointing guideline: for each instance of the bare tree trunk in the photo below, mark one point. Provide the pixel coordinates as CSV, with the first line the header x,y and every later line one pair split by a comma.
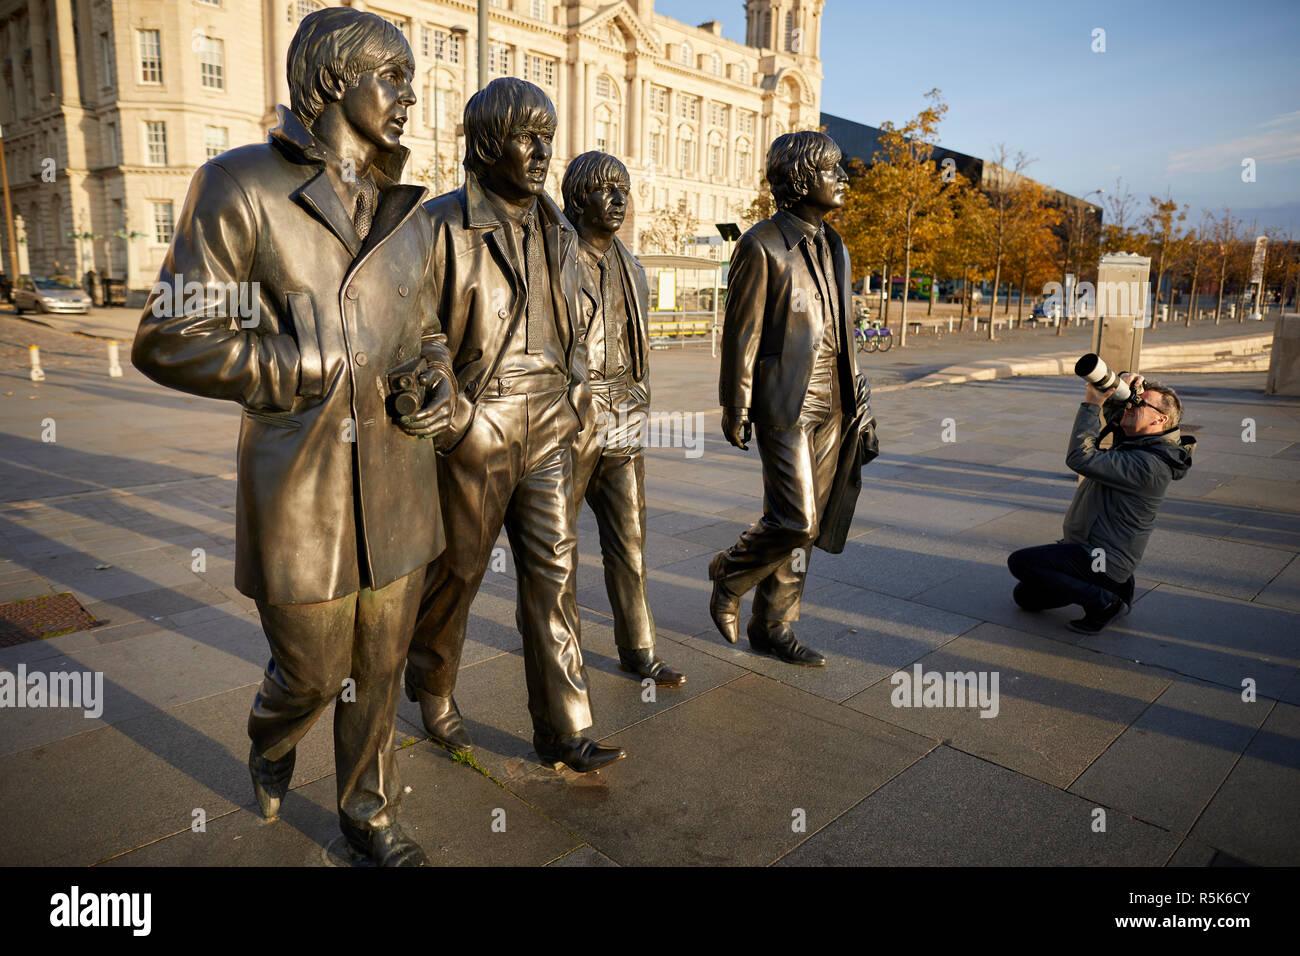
x,y
907,281
930,308
1218,308
1020,305
965,295
1191,305
993,300
889,289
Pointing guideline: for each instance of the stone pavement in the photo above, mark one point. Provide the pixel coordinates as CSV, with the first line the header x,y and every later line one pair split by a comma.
x,y
752,761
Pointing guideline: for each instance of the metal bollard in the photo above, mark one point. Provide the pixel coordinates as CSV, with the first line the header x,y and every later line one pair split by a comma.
x,y
38,373
114,363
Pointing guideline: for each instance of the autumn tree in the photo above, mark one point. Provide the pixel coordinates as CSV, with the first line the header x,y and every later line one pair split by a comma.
x,y
1121,208
1165,245
1032,245
1004,182
1197,251
669,229
963,252
1223,240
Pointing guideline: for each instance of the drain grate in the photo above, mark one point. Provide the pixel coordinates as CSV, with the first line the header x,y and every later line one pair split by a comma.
x,y
40,617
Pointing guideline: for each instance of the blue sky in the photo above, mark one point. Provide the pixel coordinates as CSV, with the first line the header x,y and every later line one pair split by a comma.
x,y
1182,94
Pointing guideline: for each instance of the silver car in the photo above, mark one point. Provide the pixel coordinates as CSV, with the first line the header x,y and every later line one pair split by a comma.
x,y
49,294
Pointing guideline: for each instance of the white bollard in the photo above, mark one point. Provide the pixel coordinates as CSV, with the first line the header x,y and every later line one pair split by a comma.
x,y
38,373
114,363
950,324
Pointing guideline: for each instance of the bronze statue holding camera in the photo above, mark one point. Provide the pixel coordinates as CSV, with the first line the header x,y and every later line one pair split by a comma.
x,y
337,515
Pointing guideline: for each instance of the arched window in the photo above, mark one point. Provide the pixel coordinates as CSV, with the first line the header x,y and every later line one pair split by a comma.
x,y
606,128
686,55
742,160
789,32
716,158
656,145
606,88
686,149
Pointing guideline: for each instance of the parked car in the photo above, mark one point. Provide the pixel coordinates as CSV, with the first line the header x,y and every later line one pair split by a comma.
x,y
49,294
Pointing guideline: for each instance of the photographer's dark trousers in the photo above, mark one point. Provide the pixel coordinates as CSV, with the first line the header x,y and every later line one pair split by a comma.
x,y
314,648
1054,575
798,470
513,468
609,471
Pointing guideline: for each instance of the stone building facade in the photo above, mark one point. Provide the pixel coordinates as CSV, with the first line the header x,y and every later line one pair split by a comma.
x,y
108,106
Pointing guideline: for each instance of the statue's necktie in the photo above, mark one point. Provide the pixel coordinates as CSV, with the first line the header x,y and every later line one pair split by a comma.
x,y
535,276
828,279
609,319
365,213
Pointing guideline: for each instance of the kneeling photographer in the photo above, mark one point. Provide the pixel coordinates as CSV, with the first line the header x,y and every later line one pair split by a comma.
x,y
1115,505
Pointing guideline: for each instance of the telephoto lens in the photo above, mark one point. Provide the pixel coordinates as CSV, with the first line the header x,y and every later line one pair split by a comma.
x,y
1093,370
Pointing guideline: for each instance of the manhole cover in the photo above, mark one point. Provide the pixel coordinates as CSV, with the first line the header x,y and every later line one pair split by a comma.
x,y
40,617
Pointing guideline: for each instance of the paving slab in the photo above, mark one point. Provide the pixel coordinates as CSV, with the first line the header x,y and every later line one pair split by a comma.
x,y
864,636
1230,568
1208,637
449,810
1056,709
952,809
691,794
1253,816
137,781
1169,763
1284,590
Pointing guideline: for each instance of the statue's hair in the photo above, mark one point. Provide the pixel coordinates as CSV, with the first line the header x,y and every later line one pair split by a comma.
x,y
587,173
794,161
505,106
339,43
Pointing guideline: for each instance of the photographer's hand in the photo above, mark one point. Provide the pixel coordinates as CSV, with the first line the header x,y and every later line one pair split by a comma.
x,y
1093,397
435,416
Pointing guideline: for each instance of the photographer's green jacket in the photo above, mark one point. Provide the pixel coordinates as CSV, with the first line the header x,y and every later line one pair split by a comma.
x,y
1115,506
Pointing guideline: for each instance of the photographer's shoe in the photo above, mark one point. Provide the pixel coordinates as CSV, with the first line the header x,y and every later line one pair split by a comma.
x,y
270,780
781,643
724,607
1094,620
442,719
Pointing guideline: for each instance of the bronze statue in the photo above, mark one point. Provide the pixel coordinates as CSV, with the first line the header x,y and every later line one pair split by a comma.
x,y
331,541
506,272
789,373
608,464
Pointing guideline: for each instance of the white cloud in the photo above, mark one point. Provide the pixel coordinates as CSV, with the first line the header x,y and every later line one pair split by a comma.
x,y
1279,142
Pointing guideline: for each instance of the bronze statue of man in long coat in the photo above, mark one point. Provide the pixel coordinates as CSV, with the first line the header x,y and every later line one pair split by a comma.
x,y
333,522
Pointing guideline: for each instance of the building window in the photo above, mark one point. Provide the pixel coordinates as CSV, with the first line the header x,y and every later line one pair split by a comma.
x,y
742,73
446,46
715,64
540,70
718,114
686,150
210,3
300,8
746,122
155,143
604,87
742,160
109,57
426,42
150,43
216,140
789,32
537,9
212,63
656,147
686,55
715,160
499,59
658,99
162,222
688,107
604,131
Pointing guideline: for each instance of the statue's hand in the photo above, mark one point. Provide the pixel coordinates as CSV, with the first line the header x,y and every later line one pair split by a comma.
x,y
736,427
435,416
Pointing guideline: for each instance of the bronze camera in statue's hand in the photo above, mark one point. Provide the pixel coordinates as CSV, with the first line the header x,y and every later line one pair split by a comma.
x,y
407,387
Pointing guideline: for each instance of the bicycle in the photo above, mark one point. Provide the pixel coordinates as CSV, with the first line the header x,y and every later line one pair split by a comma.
x,y
872,338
